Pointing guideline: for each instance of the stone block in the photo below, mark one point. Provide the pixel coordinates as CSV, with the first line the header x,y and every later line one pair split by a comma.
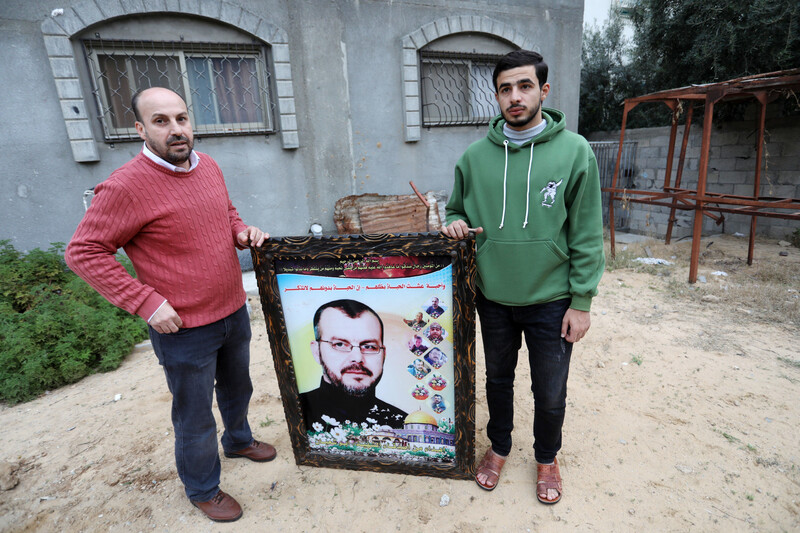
x,y
285,88
71,23
286,105
58,45
455,24
412,133
210,8
283,71
418,38
51,27
63,67
230,13
89,12
78,129
411,88
466,23
430,32
132,7
73,109
84,151
280,53
288,122
410,74
412,103
290,140
249,23
113,9
410,57
412,118
69,88
442,27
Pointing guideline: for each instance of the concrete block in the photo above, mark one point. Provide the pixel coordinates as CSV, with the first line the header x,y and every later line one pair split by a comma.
x,y
742,163
778,191
466,23
113,8
731,176
58,45
69,88
430,32
412,134
410,57
411,88
743,190
411,74
154,6
285,88
411,103
773,149
286,105
442,27
280,53
290,140
486,25
73,109
737,150
89,12
418,38
249,23
85,151
726,138
408,42
784,163
63,67
230,13
412,118
78,129
278,36
791,147
51,27
722,188
71,23
132,7
455,24
785,177
288,122
283,71
210,8
722,164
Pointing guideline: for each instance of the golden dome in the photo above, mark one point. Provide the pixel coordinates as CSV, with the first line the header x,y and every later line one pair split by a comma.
x,y
418,417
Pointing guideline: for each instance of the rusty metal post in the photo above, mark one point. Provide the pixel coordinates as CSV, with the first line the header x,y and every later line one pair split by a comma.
x,y
699,214
673,130
679,173
762,115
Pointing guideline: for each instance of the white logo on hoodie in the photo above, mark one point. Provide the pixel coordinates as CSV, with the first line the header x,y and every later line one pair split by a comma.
x,y
549,193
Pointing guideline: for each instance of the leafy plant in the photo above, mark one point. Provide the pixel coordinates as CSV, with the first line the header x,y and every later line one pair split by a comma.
x,y
54,328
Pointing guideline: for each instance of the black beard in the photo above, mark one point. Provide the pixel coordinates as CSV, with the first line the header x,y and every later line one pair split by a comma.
x,y
518,123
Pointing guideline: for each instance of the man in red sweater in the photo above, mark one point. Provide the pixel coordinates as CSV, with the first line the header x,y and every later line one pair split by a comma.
x,y
168,208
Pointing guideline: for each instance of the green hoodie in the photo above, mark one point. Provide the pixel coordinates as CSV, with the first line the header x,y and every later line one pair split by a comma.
x,y
542,236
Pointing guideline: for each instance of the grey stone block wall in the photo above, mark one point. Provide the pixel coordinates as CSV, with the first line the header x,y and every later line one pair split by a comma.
x,y
731,170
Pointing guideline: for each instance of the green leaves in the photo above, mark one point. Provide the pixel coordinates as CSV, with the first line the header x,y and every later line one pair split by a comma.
x,y
54,328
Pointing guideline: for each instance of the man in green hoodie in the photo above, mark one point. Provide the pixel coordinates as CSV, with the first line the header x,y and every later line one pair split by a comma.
x,y
531,191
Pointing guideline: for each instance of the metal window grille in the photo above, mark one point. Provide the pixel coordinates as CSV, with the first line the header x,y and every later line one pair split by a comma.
x,y
606,154
457,88
226,86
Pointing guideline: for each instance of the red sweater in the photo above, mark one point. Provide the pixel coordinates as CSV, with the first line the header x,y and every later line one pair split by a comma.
x,y
178,229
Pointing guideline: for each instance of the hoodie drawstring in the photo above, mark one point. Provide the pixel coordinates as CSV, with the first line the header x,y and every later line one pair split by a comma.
x,y
528,192
505,174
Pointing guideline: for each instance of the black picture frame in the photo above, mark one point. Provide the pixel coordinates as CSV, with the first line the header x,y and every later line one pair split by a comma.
x,y
304,255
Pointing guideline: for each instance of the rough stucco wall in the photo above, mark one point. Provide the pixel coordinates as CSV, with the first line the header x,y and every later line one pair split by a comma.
x,y
345,60
731,170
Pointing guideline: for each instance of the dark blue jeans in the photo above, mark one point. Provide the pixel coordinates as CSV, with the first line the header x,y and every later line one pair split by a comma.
x,y
193,359
502,327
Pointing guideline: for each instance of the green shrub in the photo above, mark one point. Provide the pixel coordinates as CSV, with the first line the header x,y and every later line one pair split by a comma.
x,y
54,328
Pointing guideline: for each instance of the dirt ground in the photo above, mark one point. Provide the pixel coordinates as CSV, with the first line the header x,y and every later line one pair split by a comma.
x,y
683,415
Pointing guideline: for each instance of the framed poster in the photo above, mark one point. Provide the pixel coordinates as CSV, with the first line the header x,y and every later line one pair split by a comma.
x,y
373,340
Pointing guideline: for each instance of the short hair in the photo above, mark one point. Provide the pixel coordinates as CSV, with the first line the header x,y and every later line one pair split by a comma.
x,y
351,308
521,58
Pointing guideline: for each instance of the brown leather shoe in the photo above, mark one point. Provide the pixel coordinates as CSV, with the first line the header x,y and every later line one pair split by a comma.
x,y
260,452
221,508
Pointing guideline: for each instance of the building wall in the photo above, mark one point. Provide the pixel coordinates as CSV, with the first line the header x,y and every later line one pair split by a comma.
x,y
346,70
731,170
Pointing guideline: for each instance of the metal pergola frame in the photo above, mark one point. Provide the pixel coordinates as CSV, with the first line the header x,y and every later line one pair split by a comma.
x,y
765,88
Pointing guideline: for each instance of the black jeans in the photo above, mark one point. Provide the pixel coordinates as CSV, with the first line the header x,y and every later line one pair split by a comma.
x,y
502,327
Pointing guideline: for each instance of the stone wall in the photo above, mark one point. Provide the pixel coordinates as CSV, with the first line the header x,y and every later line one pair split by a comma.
x,y
731,170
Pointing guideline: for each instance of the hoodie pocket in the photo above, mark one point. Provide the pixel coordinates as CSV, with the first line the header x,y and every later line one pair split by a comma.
x,y
522,273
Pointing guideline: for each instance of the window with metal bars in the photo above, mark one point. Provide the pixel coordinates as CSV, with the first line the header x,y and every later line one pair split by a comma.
x,y
457,88
226,86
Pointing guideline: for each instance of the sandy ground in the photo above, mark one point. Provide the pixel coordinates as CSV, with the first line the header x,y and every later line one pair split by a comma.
x,y
700,435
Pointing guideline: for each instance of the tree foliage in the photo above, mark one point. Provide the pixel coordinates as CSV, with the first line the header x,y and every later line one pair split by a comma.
x,y
677,43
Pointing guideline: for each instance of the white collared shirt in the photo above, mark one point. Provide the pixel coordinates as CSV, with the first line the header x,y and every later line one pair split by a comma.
x,y
194,160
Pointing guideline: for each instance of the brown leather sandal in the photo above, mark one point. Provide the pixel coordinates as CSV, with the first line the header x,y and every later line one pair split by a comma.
x,y
548,477
491,465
